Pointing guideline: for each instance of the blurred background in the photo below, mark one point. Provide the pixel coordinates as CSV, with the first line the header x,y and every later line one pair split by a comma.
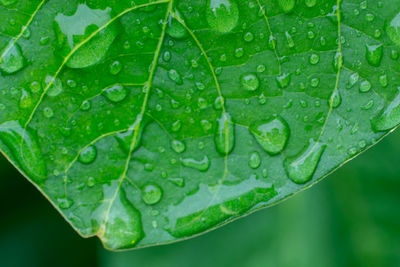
x,y
352,218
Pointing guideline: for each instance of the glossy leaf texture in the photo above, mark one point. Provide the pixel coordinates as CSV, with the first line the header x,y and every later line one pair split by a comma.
x,y
147,122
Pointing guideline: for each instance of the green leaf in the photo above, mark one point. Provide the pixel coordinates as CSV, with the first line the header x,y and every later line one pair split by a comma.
x,y
149,122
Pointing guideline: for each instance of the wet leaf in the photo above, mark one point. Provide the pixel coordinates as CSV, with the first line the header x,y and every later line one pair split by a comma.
x,y
147,122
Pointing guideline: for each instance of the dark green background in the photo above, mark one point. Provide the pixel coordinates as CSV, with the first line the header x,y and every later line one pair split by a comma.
x,y
350,219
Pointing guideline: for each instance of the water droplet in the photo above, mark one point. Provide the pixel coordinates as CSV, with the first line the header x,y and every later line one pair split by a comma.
x,y
175,29
335,99
175,76
11,58
222,15
25,100
287,5
314,59
178,146
310,3
250,82
71,30
65,203
88,155
48,112
25,148
389,117
178,181
254,160
151,193
7,2
56,86
272,135
283,80
301,168
365,86
393,29
115,68
374,54
225,134
200,165
289,40
115,93
383,80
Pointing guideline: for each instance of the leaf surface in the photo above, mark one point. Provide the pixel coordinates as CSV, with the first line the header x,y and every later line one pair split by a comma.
x,y
147,122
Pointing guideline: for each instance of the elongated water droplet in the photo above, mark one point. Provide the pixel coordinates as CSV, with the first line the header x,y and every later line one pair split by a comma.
x,y
178,181
389,117
222,15
115,93
225,134
151,193
254,160
25,100
11,58
175,29
374,54
335,99
121,228
272,135
25,148
85,24
200,165
301,168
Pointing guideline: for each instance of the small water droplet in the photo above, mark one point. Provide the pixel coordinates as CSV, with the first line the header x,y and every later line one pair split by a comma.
x,y
250,82
115,93
254,160
11,58
374,54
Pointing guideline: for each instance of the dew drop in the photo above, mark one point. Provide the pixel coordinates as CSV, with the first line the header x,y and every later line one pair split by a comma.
x,y
374,54
250,82
222,15
283,80
175,29
301,168
335,99
151,193
287,5
71,30
178,146
365,86
55,86
393,29
88,155
25,148
11,58
254,160
115,93
272,135
225,134
389,117
200,165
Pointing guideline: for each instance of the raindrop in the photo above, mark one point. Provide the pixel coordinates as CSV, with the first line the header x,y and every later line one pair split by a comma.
x,y
151,193
115,93
11,58
88,155
222,15
225,134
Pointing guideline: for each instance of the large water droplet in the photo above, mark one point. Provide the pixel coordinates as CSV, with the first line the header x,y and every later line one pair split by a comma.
x,y
301,168
25,148
389,117
11,58
335,99
222,15
73,31
393,29
55,86
151,194
254,160
121,228
374,54
225,134
272,135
